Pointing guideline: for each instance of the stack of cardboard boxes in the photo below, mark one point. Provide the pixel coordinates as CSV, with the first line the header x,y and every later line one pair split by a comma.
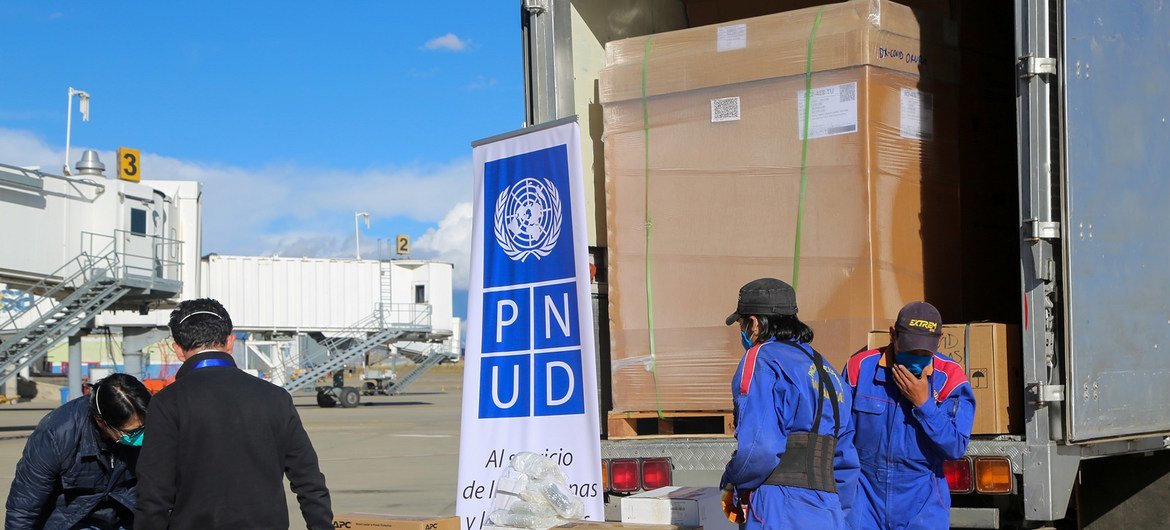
x,y
721,176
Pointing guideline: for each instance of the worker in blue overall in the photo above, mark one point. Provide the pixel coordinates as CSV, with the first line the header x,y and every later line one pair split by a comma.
x,y
913,410
795,465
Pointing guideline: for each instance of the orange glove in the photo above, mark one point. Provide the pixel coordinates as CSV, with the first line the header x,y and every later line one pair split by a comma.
x,y
733,507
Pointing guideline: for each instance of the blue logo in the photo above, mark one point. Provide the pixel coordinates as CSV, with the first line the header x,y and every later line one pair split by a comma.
x,y
528,207
531,336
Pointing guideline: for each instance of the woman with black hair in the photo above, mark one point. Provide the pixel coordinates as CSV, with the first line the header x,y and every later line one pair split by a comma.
x,y
77,470
795,465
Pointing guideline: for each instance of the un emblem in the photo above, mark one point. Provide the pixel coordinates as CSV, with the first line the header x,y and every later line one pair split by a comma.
x,y
528,219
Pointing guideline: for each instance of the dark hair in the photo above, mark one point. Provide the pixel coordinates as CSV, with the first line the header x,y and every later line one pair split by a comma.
x,y
783,328
200,323
118,398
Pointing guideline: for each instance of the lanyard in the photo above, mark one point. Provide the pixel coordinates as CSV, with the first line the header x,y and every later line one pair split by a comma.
x,y
211,362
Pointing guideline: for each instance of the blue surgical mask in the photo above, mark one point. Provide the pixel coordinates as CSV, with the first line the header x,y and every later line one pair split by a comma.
x,y
133,439
743,339
913,362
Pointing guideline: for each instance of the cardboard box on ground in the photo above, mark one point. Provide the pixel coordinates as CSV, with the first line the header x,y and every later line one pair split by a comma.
x,y
990,355
881,224
371,521
684,506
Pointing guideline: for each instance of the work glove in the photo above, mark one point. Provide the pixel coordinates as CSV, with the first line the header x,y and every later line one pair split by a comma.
x,y
734,506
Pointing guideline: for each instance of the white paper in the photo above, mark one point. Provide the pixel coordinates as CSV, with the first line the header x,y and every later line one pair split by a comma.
x,y
834,111
732,37
917,115
725,109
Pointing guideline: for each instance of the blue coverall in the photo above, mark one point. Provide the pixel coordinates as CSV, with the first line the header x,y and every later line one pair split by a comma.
x,y
902,447
775,393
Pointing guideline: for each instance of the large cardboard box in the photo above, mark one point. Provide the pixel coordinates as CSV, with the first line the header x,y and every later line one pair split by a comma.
x,y
683,506
721,177
990,354
371,521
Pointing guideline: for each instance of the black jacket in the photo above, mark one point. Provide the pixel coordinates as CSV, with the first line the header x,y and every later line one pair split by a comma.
x,y
218,444
71,476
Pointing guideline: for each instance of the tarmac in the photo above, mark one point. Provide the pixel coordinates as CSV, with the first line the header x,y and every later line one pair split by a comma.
x,y
390,455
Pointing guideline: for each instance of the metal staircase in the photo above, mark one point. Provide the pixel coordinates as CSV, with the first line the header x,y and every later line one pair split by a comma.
x,y
432,357
389,323
89,286
106,272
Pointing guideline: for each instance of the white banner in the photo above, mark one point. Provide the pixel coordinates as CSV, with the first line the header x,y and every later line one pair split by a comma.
x,y
530,379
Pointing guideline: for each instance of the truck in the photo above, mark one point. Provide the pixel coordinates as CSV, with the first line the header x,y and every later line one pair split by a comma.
x,y
1092,148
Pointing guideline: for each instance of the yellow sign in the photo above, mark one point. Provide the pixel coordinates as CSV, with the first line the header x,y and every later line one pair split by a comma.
x,y
129,164
403,244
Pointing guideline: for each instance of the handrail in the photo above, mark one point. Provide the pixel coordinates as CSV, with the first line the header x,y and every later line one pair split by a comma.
x,y
48,290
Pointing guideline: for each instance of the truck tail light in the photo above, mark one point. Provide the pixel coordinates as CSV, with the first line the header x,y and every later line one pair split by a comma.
x,y
993,474
958,473
604,475
656,473
624,475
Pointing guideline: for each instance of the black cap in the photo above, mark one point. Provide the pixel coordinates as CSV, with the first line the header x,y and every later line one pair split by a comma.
x,y
918,327
765,296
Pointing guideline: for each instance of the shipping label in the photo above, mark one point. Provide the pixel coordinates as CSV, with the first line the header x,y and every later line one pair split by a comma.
x,y
833,111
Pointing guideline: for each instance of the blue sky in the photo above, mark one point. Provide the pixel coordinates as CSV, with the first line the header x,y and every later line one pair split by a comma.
x,y
293,114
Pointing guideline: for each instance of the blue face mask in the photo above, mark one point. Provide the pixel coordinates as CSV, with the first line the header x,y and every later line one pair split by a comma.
x,y
133,439
912,362
743,339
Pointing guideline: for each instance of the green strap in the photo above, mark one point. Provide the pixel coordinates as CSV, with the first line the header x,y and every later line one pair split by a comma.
x,y
649,224
804,148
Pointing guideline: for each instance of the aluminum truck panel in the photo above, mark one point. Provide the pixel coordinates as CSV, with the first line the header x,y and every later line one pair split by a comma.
x,y
1117,181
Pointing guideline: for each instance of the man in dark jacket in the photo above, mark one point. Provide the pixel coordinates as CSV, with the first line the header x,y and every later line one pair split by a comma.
x,y
220,440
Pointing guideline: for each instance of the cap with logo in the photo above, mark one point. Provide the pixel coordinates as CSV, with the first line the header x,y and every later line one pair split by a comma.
x,y
918,327
765,296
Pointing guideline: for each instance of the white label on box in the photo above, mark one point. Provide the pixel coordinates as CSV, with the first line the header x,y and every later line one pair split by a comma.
x,y
917,115
724,109
732,37
833,112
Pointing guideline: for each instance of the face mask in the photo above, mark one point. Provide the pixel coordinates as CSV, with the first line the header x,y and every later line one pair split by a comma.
x,y
743,339
133,439
912,362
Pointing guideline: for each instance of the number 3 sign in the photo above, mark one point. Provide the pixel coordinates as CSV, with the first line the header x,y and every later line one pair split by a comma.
x,y
128,164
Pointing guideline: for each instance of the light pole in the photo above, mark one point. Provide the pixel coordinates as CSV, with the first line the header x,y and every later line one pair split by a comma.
x,y
357,235
84,97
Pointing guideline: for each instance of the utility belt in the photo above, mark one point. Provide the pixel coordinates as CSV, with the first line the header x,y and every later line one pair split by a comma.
x,y
807,461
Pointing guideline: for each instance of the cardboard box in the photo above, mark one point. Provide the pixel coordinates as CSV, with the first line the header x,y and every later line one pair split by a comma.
x,y
990,354
371,521
678,505
604,525
880,224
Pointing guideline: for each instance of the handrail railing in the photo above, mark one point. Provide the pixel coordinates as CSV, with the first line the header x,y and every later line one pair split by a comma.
x,y
49,290
101,256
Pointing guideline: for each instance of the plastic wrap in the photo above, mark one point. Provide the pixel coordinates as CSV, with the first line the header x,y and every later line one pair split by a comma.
x,y
881,220
533,492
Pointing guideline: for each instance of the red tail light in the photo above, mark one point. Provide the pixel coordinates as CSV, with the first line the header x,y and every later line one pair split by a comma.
x,y
958,474
624,475
656,473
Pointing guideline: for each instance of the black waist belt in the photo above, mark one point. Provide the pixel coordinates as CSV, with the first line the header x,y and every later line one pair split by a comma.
x,y
807,461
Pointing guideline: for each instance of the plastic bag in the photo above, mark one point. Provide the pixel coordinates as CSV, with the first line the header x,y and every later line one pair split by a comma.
x,y
533,492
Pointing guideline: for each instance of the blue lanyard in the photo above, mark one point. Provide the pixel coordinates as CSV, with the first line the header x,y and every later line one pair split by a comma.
x,y
212,362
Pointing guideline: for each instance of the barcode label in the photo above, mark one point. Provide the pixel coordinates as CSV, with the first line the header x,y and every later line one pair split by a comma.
x,y
917,115
833,111
848,92
724,109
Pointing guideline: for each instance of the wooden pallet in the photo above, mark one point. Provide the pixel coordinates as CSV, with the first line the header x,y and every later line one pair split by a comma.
x,y
623,425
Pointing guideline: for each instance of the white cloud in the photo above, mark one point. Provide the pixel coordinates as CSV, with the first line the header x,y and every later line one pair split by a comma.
x,y
449,42
481,83
55,15
450,241
280,209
